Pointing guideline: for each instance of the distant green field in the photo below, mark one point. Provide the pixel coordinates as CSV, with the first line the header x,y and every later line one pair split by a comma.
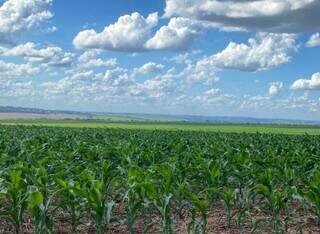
x,y
110,117
232,128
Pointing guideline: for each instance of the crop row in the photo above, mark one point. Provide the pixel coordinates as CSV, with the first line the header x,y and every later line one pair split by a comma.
x,y
96,179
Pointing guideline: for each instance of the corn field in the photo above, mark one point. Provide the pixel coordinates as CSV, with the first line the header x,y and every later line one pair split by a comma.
x,y
60,180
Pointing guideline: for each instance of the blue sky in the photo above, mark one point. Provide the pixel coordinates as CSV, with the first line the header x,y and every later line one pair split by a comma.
x,y
201,57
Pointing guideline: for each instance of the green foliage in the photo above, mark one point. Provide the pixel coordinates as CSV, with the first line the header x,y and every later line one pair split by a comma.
x,y
99,178
312,194
39,210
14,195
228,195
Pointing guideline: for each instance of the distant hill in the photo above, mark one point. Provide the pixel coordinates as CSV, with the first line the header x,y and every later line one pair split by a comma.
x,y
11,109
132,117
249,120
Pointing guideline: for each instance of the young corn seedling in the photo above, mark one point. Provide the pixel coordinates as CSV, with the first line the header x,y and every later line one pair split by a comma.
x,y
96,201
39,208
14,194
134,196
214,176
97,193
146,197
243,207
228,199
312,194
162,198
162,203
132,209
71,203
180,195
199,206
40,199
276,200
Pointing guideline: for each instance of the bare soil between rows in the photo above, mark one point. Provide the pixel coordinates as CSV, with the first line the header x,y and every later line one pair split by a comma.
x,y
217,224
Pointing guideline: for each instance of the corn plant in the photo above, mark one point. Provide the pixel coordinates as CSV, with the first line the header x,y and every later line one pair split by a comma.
x,y
71,202
14,194
200,206
97,195
105,178
40,199
312,194
180,195
243,206
276,199
39,208
162,199
134,196
228,196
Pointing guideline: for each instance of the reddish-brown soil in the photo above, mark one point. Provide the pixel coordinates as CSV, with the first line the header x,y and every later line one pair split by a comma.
x,y
21,115
217,224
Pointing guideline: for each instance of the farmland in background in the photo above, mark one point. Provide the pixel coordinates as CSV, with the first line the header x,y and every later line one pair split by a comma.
x,y
21,113
170,126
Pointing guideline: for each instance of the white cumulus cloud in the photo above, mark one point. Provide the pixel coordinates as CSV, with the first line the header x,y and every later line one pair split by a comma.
x,y
52,55
148,68
17,70
89,59
266,51
177,35
314,40
129,33
275,88
254,15
305,84
135,33
18,16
